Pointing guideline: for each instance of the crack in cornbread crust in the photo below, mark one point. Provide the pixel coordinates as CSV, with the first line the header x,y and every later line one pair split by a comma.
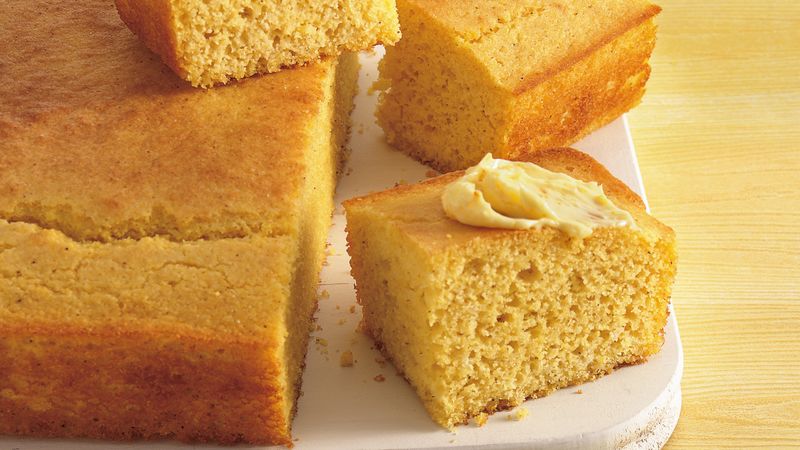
x,y
418,305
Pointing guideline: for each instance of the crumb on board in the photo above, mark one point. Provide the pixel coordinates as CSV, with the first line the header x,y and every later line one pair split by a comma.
x,y
324,294
381,84
338,307
342,321
481,419
346,359
579,391
379,378
400,182
352,309
381,362
518,414
321,341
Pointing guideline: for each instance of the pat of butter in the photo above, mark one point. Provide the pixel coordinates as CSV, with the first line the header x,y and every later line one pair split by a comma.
x,y
522,196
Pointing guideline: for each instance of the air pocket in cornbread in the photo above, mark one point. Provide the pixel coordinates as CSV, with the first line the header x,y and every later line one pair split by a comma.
x,y
212,42
511,77
159,245
480,319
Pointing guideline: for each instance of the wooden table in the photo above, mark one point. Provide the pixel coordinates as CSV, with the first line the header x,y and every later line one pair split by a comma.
x,y
718,138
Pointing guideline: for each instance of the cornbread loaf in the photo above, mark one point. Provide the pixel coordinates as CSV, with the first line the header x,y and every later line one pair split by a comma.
x,y
510,77
209,43
159,245
480,319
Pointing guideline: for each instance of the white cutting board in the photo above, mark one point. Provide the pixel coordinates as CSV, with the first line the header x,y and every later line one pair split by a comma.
x,y
346,408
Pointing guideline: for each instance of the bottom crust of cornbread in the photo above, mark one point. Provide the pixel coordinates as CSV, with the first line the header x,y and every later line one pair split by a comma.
x,y
146,385
478,319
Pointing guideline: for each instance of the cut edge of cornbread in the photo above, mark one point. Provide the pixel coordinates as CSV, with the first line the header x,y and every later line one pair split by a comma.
x,y
340,104
197,381
458,309
450,114
210,43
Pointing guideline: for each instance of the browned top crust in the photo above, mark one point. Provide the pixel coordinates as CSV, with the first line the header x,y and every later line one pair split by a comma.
x,y
99,139
522,42
418,207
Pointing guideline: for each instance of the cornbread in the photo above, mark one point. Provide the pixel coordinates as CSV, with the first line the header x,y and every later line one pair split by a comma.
x,y
510,77
480,319
159,245
210,43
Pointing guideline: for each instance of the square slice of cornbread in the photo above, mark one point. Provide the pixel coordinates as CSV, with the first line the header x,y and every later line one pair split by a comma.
x,y
480,319
212,42
510,77
159,245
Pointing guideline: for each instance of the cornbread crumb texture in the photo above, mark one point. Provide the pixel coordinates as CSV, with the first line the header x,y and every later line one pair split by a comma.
x,y
209,43
510,77
485,319
159,246
50,279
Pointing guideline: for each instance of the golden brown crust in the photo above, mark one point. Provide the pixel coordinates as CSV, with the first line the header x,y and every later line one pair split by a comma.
x,y
59,171
586,95
565,32
190,388
621,28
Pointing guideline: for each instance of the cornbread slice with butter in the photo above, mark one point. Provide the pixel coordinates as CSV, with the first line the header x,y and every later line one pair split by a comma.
x,y
159,245
212,42
479,319
511,77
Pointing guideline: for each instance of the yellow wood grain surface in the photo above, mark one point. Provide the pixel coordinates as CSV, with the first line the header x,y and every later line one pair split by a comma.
x,y
718,138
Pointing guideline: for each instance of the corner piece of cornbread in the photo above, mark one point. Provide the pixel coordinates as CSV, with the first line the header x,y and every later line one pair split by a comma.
x,y
160,246
212,42
480,319
510,77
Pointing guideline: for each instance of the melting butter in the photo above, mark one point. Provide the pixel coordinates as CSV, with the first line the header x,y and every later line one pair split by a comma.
x,y
522,196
